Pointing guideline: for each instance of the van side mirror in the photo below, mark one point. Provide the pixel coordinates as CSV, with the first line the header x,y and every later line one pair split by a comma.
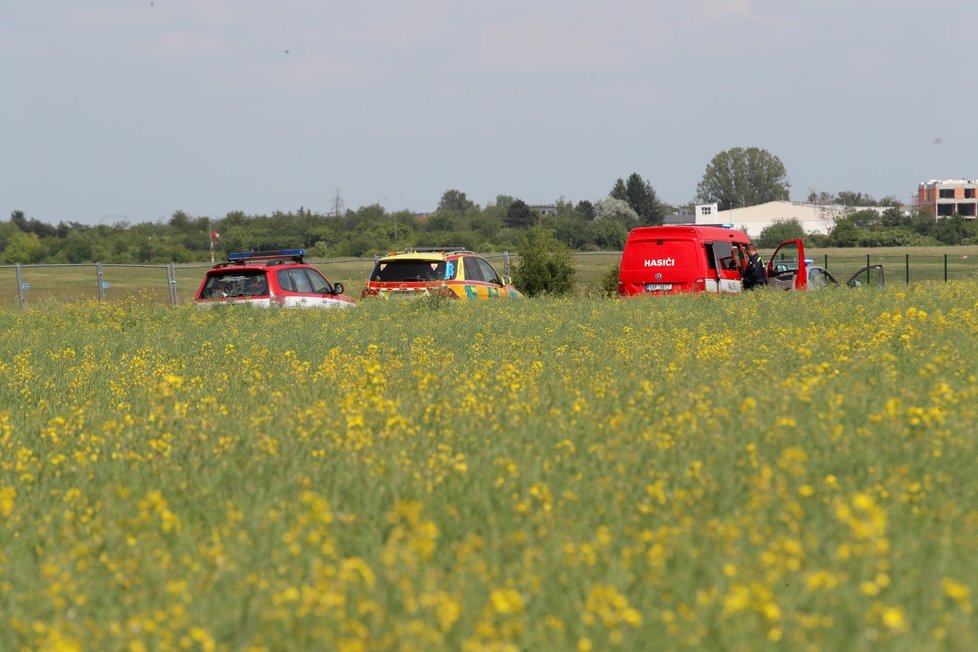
x,y
338,288
507,280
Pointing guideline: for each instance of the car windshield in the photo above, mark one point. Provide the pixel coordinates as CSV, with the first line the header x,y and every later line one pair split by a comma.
x,y
237,283
393,271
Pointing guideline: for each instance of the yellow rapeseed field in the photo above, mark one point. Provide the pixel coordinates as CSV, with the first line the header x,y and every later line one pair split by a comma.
x,y
768,471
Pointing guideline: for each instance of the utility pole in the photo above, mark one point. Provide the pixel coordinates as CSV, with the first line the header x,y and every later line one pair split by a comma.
x,y
337,204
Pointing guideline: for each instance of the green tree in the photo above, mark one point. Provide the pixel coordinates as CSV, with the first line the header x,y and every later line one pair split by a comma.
x,y
867,218
519,215
852,198
894,217
21,247
604,286
503,202
615,209
618,191
742,177
640,195
38,228
568,225
774,234
455,200
954,230
586,209
444,221
823,197
610,235
845,233
78,248
544,266
570,230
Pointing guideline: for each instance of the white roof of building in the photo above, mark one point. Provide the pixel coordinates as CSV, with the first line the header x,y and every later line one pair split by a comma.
x,y
814,218
949,182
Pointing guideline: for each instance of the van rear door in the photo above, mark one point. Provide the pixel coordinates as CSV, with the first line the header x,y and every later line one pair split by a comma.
x,y
652,264
724,267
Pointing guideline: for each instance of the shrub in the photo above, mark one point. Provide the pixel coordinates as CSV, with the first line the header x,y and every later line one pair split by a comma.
x,y
544,266
773,235
606,285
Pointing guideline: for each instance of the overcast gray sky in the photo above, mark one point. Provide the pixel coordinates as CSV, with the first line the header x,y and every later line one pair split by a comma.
x,y
133,109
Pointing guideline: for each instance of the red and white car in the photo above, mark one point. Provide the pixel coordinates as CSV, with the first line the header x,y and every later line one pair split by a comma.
x,y
270,279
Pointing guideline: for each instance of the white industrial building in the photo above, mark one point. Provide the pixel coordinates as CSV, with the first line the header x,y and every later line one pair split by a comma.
x,y
814,218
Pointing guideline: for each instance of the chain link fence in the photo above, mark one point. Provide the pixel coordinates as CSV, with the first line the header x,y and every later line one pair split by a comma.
x,y
32,286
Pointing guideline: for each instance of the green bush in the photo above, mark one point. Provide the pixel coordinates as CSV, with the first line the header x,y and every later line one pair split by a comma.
x,y
606,285
544,266
773,235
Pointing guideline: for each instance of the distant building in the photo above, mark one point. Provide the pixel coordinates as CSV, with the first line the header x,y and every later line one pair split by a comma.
x,y
949,197
683,215
813,217
694,214
544,209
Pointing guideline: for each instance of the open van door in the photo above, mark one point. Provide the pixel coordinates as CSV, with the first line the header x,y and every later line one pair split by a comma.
x,y
871,276
723,262
787,267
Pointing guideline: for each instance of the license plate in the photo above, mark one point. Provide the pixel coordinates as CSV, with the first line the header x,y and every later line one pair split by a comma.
x,y
658,287
403,294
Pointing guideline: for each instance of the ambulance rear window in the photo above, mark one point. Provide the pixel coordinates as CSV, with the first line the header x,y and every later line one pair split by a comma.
x,y
408,270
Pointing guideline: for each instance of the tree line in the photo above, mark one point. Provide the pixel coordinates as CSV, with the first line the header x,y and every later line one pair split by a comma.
x,y
370,230
894,227
734,178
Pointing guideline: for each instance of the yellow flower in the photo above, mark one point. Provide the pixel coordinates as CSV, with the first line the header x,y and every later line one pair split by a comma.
x,y
869,588
894,619
8,497
506,601
958,592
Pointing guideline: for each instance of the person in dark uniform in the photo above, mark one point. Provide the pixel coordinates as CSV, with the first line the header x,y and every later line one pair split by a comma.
x,y
755,274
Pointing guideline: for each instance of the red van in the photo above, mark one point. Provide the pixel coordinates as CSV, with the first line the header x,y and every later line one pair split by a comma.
x,y
687,258
682,258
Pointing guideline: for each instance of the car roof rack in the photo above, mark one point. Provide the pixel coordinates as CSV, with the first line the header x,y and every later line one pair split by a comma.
x,y
270,257
422,250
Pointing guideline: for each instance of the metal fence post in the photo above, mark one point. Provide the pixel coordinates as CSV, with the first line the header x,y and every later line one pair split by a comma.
x,y
101,287
171,277
945,268
20,288
908,269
